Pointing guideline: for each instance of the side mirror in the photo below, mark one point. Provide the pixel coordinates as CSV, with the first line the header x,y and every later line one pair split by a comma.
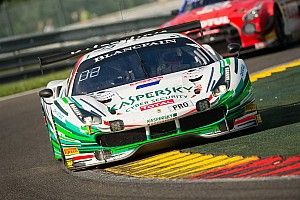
x,y
174,12
234,48
46,93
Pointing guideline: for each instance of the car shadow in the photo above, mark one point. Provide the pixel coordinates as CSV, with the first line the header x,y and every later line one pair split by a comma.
x,y
259,52
272,117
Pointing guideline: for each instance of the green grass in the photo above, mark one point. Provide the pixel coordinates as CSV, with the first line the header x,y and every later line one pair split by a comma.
x,y
31,83
278,99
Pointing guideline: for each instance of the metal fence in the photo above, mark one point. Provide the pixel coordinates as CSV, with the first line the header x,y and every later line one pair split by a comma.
x,y
19,55
29,16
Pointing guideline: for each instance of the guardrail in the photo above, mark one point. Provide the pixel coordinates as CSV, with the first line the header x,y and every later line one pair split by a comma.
x,y
19,55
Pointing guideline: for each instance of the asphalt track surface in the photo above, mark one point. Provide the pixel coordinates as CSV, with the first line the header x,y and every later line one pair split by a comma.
x,y
29,172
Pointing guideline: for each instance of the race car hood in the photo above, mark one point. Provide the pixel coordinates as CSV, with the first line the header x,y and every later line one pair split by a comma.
x,y
215,14
146,101
159,92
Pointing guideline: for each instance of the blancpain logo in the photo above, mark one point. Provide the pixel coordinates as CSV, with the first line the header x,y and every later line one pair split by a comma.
x,y
215,21
130,48
214,7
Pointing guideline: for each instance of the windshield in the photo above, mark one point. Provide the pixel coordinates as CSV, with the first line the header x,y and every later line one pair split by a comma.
x,y
192,4
138,62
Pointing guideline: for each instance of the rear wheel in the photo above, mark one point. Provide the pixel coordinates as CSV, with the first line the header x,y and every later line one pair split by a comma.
x,y
279,27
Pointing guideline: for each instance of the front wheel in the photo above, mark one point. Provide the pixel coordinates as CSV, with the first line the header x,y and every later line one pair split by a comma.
x,y
56,149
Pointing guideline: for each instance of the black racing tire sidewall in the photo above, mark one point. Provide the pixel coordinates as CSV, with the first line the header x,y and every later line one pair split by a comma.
x,y
279,28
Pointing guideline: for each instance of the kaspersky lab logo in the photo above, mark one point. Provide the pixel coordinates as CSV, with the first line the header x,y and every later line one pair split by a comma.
x,y
152,97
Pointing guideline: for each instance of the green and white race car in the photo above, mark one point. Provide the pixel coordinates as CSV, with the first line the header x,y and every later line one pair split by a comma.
x,y
143,90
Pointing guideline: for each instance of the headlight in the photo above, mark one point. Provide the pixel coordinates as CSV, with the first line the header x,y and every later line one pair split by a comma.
x,y
221,89
249,28
253,13
116,125
92,120
202,105
84,116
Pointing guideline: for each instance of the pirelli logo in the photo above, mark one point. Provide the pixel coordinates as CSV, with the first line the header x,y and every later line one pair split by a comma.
x,y
70,151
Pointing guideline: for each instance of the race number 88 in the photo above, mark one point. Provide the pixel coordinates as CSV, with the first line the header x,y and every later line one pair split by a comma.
x,y
89,74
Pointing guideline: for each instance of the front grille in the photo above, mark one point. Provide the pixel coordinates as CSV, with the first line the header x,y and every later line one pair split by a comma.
x,y
201,119
122,138
161,130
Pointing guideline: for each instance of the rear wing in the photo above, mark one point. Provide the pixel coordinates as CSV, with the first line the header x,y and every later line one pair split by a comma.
x,y
67,55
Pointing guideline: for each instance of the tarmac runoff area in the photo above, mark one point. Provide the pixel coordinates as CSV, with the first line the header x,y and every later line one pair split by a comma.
x,y
269,71
193,166
204,166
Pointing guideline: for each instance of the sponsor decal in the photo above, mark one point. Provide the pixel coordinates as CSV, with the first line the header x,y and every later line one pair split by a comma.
x,y
180,106
139,104
198,89
258,119
215,22
69,163
243,70
130,48
70,151
214,7
146,80
83,157
157,104
250,107
161,119
210,32
90,73
147,84
58,114
152,97
245,119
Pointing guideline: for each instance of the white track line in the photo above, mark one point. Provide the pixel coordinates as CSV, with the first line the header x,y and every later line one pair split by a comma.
x,y
20,94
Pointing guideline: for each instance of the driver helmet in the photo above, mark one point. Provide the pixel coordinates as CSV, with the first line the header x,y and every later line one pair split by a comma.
x,y
171,59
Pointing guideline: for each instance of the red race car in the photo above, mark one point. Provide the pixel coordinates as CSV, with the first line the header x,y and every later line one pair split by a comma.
x,y
253,24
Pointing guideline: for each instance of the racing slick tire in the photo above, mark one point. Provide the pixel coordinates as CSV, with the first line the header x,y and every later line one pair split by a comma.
x,y
279,28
